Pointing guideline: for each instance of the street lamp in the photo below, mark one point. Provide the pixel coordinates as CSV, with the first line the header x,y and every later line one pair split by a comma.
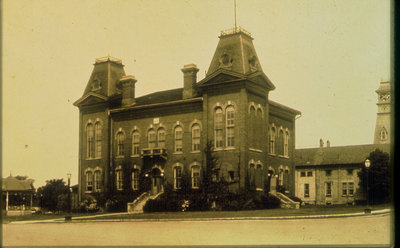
x,y
68,216
367,165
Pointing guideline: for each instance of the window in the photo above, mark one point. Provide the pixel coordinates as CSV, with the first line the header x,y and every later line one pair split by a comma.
x,y
135,179
272,141
161,137
89,181
151,138
120,143
178,139
306,190
119,179
302,173
286,145
98,138
383,134
230,126
135,143
196,137
281,142
195,177
349,171
328,189
280,178
351,189
218,128
309,173
97,180
90,140
344,189
328,173
177,177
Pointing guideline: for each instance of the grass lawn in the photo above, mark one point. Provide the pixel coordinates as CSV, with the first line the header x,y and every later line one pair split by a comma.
x,y
303,211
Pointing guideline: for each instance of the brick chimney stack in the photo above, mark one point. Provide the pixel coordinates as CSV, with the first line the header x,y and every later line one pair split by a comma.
x,y
189,80
127,85
328,143
321,143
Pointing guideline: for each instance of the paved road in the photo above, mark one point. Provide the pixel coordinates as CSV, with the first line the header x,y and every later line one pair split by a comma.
x,y
373,229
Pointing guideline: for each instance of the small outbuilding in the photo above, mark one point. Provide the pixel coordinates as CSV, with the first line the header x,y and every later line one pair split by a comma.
x,y
17,193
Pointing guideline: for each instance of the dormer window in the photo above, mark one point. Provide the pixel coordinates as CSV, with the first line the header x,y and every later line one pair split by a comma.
x,y
383,134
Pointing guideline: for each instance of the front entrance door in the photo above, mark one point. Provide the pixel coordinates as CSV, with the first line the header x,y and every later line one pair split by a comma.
x,y
156,181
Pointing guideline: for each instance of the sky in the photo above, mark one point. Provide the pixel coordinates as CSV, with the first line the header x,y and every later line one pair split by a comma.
x,y
326,59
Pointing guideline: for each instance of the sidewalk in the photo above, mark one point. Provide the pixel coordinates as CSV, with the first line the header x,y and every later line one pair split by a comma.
x,y
92,218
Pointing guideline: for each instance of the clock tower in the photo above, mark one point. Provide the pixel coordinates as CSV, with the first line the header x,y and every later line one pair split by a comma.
x,y
382,127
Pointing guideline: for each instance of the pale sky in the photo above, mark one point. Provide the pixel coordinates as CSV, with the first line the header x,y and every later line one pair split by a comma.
x,y
326,59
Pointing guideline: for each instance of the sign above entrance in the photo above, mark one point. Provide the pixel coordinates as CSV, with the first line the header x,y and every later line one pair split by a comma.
x,y
156,121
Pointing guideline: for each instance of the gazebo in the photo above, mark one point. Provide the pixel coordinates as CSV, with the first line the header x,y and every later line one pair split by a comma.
x,y
18,193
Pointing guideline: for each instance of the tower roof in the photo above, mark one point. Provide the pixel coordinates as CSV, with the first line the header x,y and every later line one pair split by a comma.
x,y
235,52
384,87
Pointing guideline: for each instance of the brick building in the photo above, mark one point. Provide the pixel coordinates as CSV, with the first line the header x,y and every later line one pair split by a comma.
x,y
135,144
329,175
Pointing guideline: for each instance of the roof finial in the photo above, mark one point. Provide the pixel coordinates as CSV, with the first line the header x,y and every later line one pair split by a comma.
x,y
234,1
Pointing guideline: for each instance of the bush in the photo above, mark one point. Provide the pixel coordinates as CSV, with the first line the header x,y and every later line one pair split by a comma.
x,y
89,205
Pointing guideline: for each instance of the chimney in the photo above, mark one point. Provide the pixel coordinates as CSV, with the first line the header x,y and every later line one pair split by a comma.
x,y
127,85
328,143
321,143
189,80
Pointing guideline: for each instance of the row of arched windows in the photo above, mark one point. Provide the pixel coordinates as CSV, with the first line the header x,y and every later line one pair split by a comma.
x,y
194,175
94,139
94,180
255,126
278,141
224,123
156,138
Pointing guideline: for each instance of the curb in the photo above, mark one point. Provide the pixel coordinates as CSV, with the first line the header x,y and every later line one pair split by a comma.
x,y
88,219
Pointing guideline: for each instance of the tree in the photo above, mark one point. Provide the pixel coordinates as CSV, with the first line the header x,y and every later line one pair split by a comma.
x,y
50,193
213,187
379,177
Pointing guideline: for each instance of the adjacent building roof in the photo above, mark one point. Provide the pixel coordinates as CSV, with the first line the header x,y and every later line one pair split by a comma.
x,y
160,97
339,155
13,184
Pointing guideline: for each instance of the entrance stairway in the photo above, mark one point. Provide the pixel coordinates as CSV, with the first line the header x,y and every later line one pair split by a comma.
x,y
137,205
286,202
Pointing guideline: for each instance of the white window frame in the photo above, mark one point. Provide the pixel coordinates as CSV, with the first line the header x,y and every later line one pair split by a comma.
x,y
120,143
230,126
151,138
135,179
195,177
119,179
135,142
178,178
218,128
178,139
89,181
98,137
90,140
196,134
161,137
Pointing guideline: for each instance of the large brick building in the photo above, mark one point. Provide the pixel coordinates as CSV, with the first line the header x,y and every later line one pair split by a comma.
x,y
135,144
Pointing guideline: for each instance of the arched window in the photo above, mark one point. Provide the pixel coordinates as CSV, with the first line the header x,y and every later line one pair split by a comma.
x,y
119,178
161,137
281,177
89,181
252,126
177,177
151,138
286,145
196,137
230,126
97,180
281,141
195,177
90,140
272,134
98,139
218,125
383,134
178,138
135,179
120,143
135,143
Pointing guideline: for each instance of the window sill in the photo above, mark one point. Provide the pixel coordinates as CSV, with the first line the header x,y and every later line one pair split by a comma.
x,y
195,187
93,158
283,156
255,150
177,153
230,148
120,156
195,152
88,192
216,149
259,189
272,154
135,156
